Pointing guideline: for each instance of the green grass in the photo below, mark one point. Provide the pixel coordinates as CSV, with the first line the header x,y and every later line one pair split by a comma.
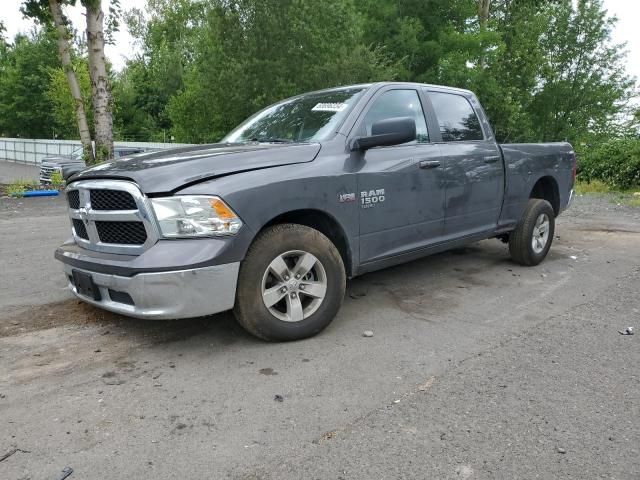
x,y
633,202
597,187
18,187
629,200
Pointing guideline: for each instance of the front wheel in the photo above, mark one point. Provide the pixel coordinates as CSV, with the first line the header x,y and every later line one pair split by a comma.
x,y
530,242
291,283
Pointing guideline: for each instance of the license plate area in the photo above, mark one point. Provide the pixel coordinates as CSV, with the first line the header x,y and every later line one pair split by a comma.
x,y
85,286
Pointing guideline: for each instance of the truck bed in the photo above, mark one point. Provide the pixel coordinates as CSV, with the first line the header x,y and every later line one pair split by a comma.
x,y
528,164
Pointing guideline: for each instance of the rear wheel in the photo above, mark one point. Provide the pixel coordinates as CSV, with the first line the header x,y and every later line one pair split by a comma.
x,y
291,283
530,242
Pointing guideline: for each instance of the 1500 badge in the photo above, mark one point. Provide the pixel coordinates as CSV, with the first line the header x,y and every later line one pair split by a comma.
x,y
370,198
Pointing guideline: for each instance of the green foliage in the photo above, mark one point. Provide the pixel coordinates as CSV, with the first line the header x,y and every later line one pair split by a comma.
x,y
169,37
25,109
56,179
544,70
593,186
582,84
259,51
101,154
615,162
18,187
63,105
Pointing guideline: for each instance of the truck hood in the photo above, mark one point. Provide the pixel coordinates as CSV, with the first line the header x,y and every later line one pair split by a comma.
x,y
169,170
59,160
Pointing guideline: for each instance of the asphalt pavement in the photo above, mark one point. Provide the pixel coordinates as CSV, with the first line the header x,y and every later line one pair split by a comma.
x,y
11,171
477,368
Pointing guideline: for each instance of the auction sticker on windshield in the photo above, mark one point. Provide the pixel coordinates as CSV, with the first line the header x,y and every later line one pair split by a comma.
x,y
329,107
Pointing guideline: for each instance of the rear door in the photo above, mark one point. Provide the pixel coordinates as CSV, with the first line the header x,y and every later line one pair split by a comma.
x,y
473,166
400,188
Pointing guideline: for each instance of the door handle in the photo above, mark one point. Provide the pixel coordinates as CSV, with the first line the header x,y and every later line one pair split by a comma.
x,y
428,164
492,159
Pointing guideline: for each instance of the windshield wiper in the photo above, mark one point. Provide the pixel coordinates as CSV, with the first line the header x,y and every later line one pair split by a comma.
x,y
270,140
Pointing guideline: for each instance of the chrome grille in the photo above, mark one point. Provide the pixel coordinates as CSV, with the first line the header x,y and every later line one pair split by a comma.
x,y
73,197
128,233
79,229
45,172
112,200
111,216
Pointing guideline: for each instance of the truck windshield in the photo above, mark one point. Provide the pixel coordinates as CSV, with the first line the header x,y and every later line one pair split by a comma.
x,y
307,118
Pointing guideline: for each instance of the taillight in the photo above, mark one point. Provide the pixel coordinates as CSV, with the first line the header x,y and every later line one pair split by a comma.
x,y
574,167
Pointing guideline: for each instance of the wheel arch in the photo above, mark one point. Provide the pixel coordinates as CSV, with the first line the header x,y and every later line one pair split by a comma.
x,y
546,188
324,223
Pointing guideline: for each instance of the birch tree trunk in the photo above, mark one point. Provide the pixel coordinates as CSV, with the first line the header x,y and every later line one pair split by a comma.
x,y
483,18
102,119
65,58
483,13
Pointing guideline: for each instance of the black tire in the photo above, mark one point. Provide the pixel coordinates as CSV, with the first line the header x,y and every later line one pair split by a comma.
x,y
521,239
251,311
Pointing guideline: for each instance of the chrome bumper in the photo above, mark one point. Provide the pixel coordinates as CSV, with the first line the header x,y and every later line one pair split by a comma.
x,y
568,201
165,295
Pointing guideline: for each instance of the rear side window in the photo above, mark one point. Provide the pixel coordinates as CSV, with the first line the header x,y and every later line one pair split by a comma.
x,y
456,117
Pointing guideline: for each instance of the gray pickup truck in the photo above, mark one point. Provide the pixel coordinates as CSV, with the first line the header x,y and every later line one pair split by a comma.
x,y
306,193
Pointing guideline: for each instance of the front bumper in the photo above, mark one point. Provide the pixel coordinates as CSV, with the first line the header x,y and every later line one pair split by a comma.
x,y
164,295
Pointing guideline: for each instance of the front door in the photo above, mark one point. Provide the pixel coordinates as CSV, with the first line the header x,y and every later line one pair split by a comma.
x,y
401,190
473,168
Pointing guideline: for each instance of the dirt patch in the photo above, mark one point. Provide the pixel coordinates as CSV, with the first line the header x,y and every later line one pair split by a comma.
x,y
76,313
421,303
64,337
68,312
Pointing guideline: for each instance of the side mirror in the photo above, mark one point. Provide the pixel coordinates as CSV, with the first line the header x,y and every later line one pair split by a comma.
x,y
390,131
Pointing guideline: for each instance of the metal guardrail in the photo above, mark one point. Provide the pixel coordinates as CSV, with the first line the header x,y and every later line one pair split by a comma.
x,y
32,151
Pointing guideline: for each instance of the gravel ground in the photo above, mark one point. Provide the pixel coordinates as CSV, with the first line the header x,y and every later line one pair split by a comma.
x,y
477,368
30,230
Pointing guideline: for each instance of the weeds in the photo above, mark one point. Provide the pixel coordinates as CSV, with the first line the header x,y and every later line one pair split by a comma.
x,y
56,179
594,186
18,187
629,197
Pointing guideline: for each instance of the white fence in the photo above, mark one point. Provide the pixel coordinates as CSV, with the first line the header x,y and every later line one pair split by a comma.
x,y
33,151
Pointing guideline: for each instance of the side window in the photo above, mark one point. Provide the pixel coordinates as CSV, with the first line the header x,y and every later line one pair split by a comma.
x,y
456,117
398,103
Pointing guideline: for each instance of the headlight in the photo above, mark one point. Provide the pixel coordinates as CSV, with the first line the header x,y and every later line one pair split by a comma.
x,y
195,216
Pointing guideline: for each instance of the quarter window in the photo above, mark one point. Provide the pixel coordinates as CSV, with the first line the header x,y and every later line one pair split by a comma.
x,y
456,117
398,103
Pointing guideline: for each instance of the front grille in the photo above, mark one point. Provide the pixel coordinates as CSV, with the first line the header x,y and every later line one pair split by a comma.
x,y
111,216
80,229
45,172
112,200
73,197
127,233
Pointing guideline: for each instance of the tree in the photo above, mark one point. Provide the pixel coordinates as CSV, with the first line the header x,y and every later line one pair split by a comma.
x,y
253,52
63,104
50,11
483,13
101,96
169,33
25,109
131,121
582,85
